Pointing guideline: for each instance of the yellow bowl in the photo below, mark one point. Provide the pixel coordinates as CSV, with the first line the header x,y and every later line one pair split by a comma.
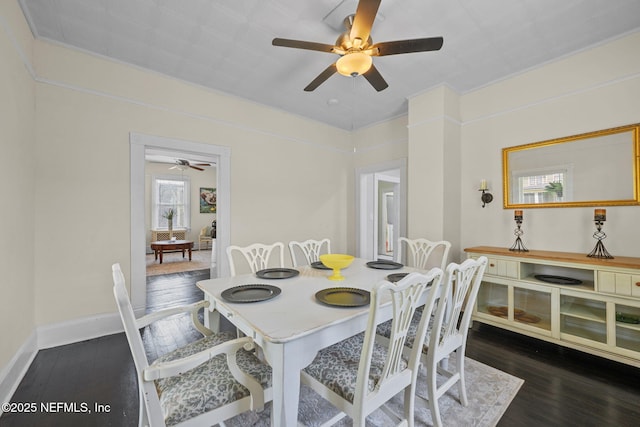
x,y
336,262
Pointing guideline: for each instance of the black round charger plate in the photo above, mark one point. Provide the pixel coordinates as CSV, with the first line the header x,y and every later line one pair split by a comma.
x,y
382,264
343,297
558,280
396,277
250,293
319,265
277,273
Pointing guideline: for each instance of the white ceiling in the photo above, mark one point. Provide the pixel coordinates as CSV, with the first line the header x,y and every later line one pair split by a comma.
x,y
226,45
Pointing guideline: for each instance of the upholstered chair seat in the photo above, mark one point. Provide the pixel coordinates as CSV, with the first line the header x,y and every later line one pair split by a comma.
x,y
384,329
337,366
208,386
202,383
359,375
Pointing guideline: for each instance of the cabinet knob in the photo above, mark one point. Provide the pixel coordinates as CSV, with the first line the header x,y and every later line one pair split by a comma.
x,y
493,265
638,284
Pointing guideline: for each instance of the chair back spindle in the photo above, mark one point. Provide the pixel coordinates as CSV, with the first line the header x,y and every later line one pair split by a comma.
x,y
310,249
258,256
421,252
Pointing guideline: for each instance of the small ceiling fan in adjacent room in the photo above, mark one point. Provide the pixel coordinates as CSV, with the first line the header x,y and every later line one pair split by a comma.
x,y
183,164
356,48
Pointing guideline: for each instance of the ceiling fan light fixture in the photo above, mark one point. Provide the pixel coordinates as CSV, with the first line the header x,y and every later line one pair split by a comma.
x,y
355,45
354,64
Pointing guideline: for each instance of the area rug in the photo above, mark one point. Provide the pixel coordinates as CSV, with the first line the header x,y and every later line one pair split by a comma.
x,y
173,262
489,391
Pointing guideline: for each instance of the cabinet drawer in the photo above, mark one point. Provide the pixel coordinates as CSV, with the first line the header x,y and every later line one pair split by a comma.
x,y
503,268
619,283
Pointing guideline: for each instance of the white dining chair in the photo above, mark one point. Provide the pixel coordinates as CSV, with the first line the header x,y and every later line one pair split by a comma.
x,y
203,383
448,333
419,256
310,249
421,251
359,375
258,256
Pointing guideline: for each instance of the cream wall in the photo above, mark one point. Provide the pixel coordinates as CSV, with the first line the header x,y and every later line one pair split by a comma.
x,y
375,147
434,167
17,185
69,122
289,176
592,90
455,140
380,143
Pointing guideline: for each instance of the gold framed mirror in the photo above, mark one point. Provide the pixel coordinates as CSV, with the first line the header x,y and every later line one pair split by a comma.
x,y
592,169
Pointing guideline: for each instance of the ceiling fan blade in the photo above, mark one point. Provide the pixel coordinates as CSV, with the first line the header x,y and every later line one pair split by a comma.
x,y
195,167
322,77
374,77
363,20
203,164
300,44
408,46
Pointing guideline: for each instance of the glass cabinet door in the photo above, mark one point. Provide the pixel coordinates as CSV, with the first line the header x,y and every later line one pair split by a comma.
x,y
493,300
583,318
627,327
525,307
532,308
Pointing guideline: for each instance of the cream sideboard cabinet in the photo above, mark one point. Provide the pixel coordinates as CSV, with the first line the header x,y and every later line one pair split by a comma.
x,y
588,304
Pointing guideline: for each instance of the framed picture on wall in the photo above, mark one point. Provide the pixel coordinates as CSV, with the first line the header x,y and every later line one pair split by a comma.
x,y
207,200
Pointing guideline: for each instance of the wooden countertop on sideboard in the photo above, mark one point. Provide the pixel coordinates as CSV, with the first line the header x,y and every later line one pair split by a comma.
x,y
616,262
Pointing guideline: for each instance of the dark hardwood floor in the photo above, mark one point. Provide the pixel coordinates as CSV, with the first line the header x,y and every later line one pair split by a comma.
x,y
166,291
562,387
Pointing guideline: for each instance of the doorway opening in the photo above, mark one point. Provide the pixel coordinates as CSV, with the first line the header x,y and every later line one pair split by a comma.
x,y
381,209
184,184
142,146
387,218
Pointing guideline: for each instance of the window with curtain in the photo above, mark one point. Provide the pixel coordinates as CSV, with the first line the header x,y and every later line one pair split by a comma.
x,y
170,192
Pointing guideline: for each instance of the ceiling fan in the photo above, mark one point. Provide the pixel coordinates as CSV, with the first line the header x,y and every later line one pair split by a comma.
x,y
356,48
182,164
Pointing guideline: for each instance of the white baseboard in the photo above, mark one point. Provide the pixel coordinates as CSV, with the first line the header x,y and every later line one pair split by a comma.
x,y
17,367
54,335
77,330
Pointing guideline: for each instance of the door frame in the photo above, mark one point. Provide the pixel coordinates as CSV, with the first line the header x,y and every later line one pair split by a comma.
x,y
366,196
221,155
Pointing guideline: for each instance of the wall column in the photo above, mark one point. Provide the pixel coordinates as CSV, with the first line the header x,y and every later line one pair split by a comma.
x,y
433,180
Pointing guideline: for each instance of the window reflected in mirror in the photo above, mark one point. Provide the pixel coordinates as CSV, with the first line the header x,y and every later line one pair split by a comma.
x,y
541,186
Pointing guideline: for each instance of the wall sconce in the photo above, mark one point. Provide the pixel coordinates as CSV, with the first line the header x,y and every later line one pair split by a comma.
x,y
486,196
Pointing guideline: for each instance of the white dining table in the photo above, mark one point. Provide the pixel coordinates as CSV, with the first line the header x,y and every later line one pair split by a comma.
x,y
293,326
